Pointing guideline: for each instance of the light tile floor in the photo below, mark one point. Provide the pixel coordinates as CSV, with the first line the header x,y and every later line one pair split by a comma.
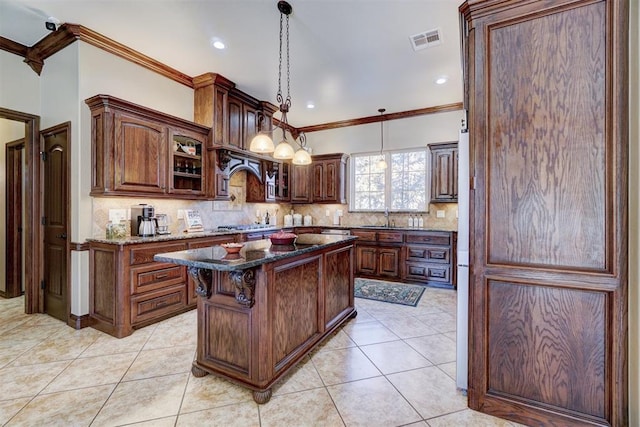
x,y
390,366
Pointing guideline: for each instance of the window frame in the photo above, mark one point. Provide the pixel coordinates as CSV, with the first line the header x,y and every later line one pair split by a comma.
x,y
387,179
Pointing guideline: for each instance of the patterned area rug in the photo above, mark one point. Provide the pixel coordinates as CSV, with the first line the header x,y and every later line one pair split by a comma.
x,y
396,293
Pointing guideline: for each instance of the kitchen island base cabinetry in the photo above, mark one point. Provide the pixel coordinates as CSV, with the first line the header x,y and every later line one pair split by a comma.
x,y
256,323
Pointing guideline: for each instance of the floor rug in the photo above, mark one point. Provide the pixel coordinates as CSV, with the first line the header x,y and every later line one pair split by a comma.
x,y
396,293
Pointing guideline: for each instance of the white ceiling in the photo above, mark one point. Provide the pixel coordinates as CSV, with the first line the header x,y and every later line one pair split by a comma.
x,y
349,57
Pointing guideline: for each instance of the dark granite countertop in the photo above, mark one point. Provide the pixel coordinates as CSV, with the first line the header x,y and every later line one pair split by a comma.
x,y
132,240
252,254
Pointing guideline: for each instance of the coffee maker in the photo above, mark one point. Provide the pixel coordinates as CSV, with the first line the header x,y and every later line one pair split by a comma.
x,y
143,222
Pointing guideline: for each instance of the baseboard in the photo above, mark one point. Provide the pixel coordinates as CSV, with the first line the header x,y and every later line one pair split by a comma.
x,y
79,322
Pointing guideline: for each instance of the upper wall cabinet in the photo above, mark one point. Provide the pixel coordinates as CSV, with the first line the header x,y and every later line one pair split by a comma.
x,y
444,172
328,179
137,151
234,116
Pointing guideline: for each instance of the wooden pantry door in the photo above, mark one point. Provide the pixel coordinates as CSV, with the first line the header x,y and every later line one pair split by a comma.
x,y
548,297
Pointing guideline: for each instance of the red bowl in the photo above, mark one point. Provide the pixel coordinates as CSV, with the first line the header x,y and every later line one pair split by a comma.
x,y
275,240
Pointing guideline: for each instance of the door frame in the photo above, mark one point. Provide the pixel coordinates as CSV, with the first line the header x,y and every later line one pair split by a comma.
x,y
66,127
33,301
14,288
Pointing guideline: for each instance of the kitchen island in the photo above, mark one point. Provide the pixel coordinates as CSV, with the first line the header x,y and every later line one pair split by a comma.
x,y
261,311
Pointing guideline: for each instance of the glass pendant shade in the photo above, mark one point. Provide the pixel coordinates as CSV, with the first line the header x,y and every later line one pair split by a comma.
x,y
381,164
261,143
283,151
301,157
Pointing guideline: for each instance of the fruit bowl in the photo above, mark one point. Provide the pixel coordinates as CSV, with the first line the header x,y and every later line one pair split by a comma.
x,y
232,248
282,238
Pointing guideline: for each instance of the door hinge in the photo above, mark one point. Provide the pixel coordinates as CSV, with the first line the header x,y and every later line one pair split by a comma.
x,y
43,220
42,284
43,155
473,183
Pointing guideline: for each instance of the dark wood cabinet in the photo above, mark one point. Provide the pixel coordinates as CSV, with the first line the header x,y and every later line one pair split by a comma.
x,y
234,116
547,98
444,172
378,253
132,151
300,184
430,257
262,190
128,289
328,178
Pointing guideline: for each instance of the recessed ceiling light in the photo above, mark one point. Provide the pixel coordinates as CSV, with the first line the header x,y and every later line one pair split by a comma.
x,y
311,105
441,80
217,43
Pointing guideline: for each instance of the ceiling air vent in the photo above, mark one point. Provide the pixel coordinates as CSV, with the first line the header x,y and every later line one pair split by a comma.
x,y
427,39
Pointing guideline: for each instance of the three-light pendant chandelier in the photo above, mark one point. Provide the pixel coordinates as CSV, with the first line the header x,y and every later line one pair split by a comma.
x,y
262,142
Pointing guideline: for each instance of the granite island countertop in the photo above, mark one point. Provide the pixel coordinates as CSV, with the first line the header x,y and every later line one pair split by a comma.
x,y
252,254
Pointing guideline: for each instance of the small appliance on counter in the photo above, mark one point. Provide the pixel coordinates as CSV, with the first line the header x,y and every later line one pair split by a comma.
x,y
143,222
163,224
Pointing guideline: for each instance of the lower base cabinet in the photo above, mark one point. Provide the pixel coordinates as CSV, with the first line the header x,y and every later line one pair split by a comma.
x,y
128,290
426,257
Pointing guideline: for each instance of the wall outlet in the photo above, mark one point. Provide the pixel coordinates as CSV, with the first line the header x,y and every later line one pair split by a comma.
x,y
339,212
440,214
180,213
327,213
117,215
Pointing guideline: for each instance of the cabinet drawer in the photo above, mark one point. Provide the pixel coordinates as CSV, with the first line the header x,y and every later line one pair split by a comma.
x,y
429,238
390,236
145,253
428,272
157,303
364,235
214,241
156,276
428,254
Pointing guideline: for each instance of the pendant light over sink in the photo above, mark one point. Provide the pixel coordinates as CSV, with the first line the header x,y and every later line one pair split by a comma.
x,y
381,164
262,143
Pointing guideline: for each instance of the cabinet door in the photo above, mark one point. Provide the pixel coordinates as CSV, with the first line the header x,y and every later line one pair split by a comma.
x,y
317,182
300,192
140,155
330,186
282,182
443,167
250,125
389,262
235,122
366,260
187,171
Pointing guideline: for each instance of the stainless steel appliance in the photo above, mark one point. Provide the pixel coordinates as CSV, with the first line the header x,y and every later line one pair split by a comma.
x,y
462,332
143,221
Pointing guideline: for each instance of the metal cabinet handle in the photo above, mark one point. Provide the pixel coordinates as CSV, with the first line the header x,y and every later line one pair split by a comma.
x,y
62,236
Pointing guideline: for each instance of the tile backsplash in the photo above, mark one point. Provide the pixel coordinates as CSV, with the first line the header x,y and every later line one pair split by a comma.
x,y
237,211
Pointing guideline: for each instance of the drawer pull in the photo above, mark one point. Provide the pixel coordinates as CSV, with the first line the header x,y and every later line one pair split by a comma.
x,y
438,273
438,255
162,275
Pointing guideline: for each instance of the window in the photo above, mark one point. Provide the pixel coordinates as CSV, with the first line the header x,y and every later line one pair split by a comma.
x,y
400,187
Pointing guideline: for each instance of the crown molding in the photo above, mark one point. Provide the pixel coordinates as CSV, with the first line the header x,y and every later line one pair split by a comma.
x,y
457,106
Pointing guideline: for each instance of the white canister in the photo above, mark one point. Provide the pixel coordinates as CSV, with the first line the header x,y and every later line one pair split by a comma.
x,y
307,220
288,221
297,219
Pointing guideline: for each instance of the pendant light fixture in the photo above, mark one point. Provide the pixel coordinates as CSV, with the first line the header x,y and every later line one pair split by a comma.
x,y
262,143
381,164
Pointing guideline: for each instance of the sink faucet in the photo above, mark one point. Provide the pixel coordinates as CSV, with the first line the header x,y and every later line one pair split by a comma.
x,y
386,216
